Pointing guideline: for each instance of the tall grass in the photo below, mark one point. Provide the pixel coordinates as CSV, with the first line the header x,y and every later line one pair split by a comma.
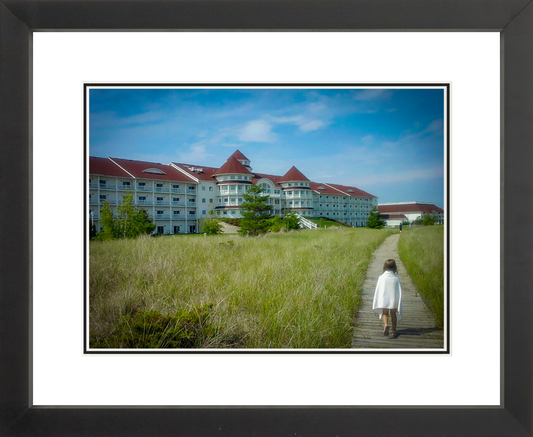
x,y
422,252
287,290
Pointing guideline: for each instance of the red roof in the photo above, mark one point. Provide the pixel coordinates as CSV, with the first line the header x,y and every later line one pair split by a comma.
x,y
151,170
428,208
257,176
198,171
393,216
106,167
351,191
293,175
238,155
324,189
232,166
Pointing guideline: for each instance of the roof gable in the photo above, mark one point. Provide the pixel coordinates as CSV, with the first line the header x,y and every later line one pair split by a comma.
x,y
239,155
232,166
294,175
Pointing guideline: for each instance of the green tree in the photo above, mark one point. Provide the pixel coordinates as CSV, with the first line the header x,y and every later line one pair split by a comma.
x,y
108,226
428,220
210,225
291,221
255,212
130,221
275,224
374,221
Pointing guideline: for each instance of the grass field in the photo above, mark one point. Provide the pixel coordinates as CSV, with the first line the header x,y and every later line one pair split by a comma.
x,y
422,252
287,290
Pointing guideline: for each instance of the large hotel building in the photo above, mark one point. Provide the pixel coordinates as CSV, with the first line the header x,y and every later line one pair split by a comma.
x,y
177,195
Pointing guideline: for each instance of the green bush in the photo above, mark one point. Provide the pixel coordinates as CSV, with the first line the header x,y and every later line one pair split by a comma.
x,y
151,329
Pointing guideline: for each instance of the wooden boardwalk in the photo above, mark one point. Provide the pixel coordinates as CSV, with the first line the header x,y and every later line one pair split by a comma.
x,y
417,328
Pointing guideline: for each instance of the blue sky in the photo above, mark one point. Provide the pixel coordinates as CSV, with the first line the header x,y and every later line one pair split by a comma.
x,y
388,142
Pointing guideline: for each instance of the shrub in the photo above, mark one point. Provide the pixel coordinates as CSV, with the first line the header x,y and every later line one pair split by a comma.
x,y
151,329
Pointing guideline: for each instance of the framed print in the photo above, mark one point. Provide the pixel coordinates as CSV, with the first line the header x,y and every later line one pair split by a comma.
x,y
292,296
239,405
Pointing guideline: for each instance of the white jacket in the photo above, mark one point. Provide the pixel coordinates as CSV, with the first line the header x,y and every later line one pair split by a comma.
x,y
388,294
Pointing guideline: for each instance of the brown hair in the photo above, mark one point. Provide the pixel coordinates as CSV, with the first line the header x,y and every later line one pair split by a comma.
x,y
390,265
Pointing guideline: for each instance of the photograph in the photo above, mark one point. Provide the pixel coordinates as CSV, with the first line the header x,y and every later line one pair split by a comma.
x,y
266,217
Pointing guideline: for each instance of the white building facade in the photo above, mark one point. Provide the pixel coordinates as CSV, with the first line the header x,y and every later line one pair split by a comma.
x,y
396,213
177,195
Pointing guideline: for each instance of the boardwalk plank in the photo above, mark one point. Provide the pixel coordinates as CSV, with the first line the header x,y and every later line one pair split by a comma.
x,y
417,329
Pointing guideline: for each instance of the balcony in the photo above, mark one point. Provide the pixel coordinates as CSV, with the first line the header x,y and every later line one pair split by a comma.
x,y
162,189
162,202
177,190
144,188
93,202
108,187
191,217
145,202
177,203
162,216
93,185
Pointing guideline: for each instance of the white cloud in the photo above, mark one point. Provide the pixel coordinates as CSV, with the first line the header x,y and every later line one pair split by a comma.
x,y
259,131
305,124
402,176
371,94
311,125
196,154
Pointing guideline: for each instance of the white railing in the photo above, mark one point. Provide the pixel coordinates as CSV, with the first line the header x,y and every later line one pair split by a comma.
x,y
144,188
304,223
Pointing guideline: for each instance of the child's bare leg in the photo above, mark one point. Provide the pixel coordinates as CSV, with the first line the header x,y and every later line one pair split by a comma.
x,y
385,317
393,319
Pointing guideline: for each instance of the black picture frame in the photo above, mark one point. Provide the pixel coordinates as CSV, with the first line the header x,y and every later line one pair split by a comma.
x,y
513,19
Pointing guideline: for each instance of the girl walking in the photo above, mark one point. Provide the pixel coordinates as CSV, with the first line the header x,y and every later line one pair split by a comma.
x,y
388,297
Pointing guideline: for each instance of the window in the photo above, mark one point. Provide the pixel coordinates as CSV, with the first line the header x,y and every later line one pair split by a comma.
x,y
192,201
159,199
240,200
191,187
210,188
203,212
142,198
159,185
103,196
225,212
191,212
176,212
176,187
175,199
219,200
154,171
203,187
103,183
142,184
125,183
160,212
239,177
226,200
210,200
203,199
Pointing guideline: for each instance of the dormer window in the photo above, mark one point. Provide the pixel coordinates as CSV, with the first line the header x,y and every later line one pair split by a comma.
x,y
153,170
